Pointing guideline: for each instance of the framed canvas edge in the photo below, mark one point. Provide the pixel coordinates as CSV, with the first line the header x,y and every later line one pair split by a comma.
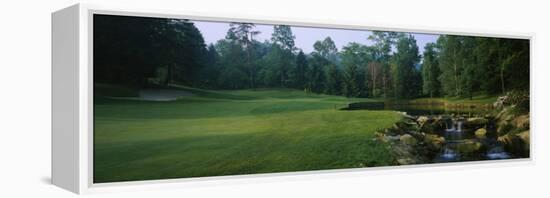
x,y
86,185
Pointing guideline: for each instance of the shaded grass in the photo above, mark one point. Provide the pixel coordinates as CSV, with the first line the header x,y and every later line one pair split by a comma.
x,y
233,132
114,90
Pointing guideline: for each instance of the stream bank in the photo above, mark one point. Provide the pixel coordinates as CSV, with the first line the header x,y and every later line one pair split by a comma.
x,y
501,133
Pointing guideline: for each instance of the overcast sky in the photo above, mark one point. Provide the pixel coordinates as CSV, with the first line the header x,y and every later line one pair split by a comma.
x,y
305,36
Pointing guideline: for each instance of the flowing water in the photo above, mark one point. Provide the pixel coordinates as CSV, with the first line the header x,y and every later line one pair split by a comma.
x,y
459,141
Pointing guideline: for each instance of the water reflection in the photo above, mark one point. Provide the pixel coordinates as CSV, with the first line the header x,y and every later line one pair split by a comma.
x,y
434,109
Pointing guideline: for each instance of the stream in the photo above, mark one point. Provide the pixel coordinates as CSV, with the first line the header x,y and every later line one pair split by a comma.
x,y
457,137
461,143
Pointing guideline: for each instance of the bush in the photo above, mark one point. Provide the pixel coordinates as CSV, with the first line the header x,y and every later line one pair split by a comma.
x,y
520,99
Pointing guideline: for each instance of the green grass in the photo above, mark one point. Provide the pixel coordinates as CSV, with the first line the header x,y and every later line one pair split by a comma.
x,y
216,133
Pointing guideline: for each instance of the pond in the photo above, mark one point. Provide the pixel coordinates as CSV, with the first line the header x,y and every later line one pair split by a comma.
x,y
422,109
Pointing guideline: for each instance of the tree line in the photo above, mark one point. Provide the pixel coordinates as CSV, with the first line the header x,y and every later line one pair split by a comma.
x,y
465,65
141,52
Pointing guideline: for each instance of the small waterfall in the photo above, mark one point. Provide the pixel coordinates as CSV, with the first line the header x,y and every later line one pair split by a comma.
x,y
454,125
461,144
497,152
459,125
449,154
450,125
453,136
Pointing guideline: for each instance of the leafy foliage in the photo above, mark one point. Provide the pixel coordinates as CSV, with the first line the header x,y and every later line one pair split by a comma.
x,y
141,52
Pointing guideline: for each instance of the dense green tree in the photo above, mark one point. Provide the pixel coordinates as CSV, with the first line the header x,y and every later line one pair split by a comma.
x,y
316,73
244,35
373,76
354,61
233,73
405,75
275,70
327,49
481,64
210,73
189,51
514,64
132,50
450,64
430,71
382,48
142,52
470,69
333,76
283,37
281,55
300,70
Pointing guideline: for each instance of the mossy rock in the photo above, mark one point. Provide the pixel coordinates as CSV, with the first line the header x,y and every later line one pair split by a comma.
x,y
405,125
524,136
421,120
468,147
408,139
434,141
481,133
476,122
517,144
521,122
406,161
504,128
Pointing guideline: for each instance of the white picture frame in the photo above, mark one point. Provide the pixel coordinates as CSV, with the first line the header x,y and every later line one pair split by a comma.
x,y
72,101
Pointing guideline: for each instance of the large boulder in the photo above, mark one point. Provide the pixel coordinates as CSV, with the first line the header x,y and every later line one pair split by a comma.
x,y
521,122
505,139
431,125
406,125
476,122
517,144
406,161
390,138
481,133
504,127
468,147
504,120
438,124
505,114
501,102
408,139
408,117
525,137
434,141
393,131
421,120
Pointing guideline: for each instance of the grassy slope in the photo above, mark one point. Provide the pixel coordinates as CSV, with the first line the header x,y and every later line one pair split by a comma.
x,y
233,132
